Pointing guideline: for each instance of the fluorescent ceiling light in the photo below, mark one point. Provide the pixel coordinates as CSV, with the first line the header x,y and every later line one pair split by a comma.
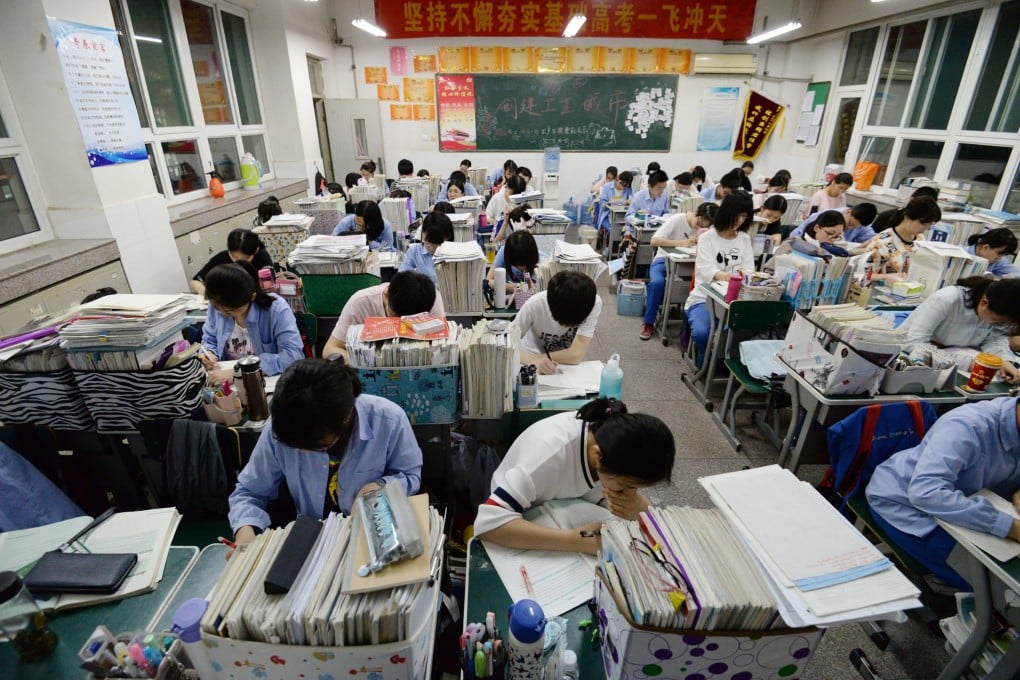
x,y
145,38
775,32
574,25
369,27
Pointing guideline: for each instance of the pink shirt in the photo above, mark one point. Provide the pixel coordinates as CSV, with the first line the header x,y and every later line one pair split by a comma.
x,y
824,201
369,302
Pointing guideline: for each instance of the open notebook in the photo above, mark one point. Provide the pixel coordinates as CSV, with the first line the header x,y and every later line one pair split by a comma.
x,y
146,532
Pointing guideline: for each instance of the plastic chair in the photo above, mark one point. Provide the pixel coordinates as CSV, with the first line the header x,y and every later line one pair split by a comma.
x,y
748,317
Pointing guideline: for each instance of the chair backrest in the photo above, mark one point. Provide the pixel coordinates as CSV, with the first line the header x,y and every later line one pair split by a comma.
x,y
752,316
866,438
518,420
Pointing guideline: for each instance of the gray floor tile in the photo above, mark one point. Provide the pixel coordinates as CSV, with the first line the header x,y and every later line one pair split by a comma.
x,y
692,426
654,379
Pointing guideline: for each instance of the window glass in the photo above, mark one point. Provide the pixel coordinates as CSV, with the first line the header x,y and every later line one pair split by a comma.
x,y
3,128
899,61
1013,198
124,38
996,105
16,215
155,169
948,48
155,43
206,61
859,53
981,167
917,158
256,146
879,150
224,153
846,117
241,68
184,165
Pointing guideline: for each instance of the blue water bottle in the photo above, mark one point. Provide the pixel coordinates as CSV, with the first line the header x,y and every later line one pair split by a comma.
x,y
527,640
611,380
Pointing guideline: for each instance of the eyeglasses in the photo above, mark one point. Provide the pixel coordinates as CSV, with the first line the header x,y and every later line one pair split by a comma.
x,y
677,579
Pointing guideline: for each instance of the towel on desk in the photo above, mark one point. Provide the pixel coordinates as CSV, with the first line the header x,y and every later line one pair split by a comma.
x,y
759,357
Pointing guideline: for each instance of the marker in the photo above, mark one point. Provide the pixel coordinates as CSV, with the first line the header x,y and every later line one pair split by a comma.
x,y
527,581
479,664
227,542
138,656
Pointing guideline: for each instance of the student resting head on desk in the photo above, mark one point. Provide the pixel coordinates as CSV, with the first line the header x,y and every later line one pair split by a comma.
x,y
600,453
243,320
891,247
242,244
368,220
995,245
978,314
823,238
779,183
558,323
972,447
520,252
436,229
329,442
407,293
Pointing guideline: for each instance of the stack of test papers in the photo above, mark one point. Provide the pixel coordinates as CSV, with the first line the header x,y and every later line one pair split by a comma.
x,y
287,219
460,268
124,320
322,254
571,381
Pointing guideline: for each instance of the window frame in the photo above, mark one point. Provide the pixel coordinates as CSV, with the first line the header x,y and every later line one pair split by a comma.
x,y
201,131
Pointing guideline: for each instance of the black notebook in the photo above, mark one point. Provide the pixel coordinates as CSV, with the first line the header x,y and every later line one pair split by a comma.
x,y
292,555
88,573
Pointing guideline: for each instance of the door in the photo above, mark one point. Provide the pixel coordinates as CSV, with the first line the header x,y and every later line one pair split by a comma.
x,y
355,135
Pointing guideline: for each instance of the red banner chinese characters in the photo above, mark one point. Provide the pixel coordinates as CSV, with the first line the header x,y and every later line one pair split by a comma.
x,y
689,19
760,117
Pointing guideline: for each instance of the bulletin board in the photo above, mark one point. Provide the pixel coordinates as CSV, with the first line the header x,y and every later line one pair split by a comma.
x,y
812,108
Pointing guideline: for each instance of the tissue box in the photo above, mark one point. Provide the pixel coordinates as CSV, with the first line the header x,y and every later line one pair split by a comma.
x,y
905,288
630,650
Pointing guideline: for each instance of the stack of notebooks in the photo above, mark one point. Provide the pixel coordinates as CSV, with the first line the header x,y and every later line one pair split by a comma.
x,y
477,177
935,265
322,254
401,351
399,211
359,193
579,257
463,226
549,220
489,362
419,190
460,268
958,230
527,195
289,220
299,585
124,332
860,328
466,202
999,218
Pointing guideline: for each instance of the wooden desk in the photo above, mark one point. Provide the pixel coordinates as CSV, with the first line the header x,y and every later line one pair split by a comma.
x,y
679,272
73,627
990,579
484,592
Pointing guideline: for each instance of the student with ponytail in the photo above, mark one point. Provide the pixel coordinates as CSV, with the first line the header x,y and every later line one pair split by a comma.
x,y
242,244
995,245
245,320
601,453
891,248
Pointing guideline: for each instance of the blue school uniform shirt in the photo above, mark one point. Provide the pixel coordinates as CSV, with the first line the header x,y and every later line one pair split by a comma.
x,y
653,206
347,225
1002,267
273,332
469,190
418,259
861,234
382,449
513,274
972,447
708,193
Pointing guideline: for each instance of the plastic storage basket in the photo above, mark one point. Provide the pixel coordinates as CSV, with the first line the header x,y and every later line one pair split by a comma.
x,y
630,298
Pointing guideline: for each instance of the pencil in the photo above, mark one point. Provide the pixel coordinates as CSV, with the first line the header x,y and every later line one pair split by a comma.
x,y
527,581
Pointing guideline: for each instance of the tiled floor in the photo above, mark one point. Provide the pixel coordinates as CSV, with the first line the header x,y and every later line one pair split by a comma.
x,y
652,385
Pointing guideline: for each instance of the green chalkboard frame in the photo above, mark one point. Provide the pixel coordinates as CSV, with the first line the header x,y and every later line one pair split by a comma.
x,y
577,112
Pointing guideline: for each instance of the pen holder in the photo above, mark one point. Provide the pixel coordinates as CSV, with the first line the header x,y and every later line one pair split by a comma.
x,y
527,395
225,410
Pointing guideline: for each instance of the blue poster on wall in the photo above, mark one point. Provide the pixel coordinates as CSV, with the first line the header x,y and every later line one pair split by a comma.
x,y
718,112
98,87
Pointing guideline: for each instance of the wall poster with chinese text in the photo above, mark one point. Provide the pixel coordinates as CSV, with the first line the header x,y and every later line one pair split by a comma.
x,y
456,97
718,110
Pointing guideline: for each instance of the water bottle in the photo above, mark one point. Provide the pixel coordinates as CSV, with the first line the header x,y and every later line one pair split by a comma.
x,y
187,624
266,279
254,388
611,380
571,209
527,639
733,290
569,660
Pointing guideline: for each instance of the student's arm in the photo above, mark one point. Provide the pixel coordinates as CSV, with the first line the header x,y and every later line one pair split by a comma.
x,y
403,457
706,269
197,287
522,534
927,318
337,343
410,261
289,347
257,484
674,226
211,330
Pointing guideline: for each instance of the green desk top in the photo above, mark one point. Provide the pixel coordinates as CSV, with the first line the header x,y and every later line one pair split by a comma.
x,y
74,626
996,389
486,593
197,581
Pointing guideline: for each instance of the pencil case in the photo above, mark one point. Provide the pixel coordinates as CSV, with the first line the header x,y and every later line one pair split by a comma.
x,y
225,410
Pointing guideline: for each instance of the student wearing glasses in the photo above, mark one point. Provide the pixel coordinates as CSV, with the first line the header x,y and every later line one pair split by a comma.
x,y
246,320
589,454
652,199
436,229
329,442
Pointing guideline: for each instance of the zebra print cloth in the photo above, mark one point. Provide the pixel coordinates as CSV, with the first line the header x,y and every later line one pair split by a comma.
x,y
50,398
119,400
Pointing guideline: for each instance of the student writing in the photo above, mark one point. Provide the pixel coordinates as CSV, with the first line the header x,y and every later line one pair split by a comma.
x,y
858,223
436,229
891,247
772,209
601,453
368,219
618,191
557,324
242,244
329,442
729,183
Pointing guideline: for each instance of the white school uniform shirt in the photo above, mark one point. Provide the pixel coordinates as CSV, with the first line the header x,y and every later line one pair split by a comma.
x,y
676,228
547,462
495,208
717,254
945,320
540,332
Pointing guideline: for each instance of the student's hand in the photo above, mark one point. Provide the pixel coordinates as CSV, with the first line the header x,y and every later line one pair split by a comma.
x,y
1009,373
1014,531
244,536
208,360
547,366
626,504
218,377
1016,500
371,486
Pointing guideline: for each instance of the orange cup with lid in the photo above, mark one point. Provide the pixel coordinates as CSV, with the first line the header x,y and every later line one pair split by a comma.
x,y
983,371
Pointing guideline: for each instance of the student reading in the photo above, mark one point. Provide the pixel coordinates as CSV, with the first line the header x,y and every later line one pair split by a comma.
x,y
600,453
329,442
972,447
436,229
245,320
557,324
242,244
368,219
977,314
520,252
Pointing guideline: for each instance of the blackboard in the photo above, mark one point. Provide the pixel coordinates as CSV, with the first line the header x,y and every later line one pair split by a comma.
x,y
574,112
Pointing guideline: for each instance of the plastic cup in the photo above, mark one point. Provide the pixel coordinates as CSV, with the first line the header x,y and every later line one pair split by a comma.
x,y
983,371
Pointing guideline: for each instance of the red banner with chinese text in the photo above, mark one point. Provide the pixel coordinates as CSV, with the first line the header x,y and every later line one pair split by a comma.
x,y
760,117
688,19
456,100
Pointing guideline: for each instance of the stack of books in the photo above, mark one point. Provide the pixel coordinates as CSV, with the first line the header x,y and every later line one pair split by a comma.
x,y
526,196
322,254
549,220
957,230
419,190
935,265
460,268
370,346
490,359
399,211
359,193
579,257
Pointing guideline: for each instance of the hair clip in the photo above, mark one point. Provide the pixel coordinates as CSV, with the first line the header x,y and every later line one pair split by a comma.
x,y
609,411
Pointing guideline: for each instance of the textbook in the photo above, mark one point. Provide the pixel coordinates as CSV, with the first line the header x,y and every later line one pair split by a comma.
x,y
146,532
415,327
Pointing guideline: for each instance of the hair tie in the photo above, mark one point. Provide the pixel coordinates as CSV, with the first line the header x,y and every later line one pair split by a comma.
x,y
609,411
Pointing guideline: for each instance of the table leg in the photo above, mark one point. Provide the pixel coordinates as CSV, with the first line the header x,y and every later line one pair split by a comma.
x,y
972,646
663,320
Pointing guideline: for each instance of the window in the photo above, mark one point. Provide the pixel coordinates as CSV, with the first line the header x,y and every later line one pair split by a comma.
x,y
1013,199
846,117
16,215
859,54
197,83
899,62
948,47
996,105
982,167
878,150
917,158
20,194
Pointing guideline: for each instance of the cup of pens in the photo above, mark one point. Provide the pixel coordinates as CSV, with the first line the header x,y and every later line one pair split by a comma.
x,y
527,387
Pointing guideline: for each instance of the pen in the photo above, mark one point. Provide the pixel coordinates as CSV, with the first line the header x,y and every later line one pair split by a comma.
x,y
527,581
227,542
586,533
84,532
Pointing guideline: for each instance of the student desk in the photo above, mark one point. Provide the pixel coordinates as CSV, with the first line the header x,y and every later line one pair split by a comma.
x,y
74,626
826,409
679,272
1000,388
718,308
617,219
484,592
989,579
